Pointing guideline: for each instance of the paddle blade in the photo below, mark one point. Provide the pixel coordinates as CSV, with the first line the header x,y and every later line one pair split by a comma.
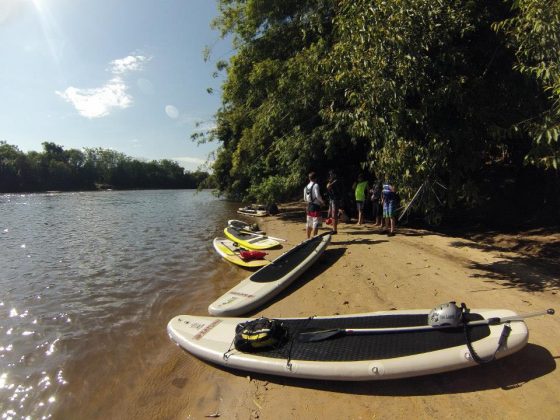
x,y
313,336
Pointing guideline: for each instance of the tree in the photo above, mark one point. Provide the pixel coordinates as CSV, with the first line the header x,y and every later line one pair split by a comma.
x,y
423,92
57,169
11,162
534,34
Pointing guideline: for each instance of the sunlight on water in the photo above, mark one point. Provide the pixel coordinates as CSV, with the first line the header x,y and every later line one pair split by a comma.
x,y
87,278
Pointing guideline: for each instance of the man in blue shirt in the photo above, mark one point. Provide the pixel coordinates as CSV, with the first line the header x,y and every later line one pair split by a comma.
x,y
389,199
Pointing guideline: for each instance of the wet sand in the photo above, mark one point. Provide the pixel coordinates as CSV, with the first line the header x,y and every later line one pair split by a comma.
x,y
364,270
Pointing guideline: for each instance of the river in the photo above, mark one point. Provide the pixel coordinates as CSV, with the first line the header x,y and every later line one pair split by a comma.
x,y
89,281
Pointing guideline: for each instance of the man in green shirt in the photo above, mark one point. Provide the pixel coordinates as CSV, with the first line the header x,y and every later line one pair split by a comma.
x,y
360,188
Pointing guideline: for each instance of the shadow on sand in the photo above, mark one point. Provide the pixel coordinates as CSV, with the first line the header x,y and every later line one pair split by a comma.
x,y
511,372
524,272
329,257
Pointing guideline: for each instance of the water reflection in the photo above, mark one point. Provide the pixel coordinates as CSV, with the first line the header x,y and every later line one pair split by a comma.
x,y
89,281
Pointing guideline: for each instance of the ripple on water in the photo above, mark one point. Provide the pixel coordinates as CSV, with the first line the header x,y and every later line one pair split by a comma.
x,y
98,278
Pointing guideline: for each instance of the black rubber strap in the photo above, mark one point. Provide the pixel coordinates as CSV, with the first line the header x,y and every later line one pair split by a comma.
x,y
503,338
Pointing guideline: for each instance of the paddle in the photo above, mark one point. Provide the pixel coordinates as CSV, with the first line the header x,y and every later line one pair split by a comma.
x,y
313,336
246,254
241,225
257,235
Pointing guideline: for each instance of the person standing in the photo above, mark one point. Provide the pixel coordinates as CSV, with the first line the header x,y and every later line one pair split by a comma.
x,y
377,209
389,199
312,196
360,188
334,192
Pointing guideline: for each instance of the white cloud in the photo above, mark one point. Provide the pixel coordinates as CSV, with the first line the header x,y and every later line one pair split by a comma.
x,y
100,101
172,112
129,63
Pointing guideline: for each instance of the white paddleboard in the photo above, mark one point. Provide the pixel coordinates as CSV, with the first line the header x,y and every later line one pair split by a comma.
x,y
257,210
262,285
355,358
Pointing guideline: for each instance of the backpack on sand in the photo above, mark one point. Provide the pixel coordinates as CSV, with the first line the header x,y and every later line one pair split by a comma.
x,y
259,334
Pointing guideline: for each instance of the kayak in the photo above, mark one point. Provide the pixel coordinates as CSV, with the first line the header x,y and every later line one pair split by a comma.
x,y
244,226
385,355
250,240
232,253
262,285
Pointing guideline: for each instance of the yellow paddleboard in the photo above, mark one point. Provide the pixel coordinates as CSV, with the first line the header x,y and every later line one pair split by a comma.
x,y
230,252
250,240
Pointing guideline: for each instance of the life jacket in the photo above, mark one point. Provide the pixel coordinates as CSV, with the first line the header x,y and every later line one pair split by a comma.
x,y
247,255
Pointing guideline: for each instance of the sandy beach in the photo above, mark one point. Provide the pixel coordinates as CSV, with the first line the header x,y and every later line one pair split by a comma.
x,y
364,270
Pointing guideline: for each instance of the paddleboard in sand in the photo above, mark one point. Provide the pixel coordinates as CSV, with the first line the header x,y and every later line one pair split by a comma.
x,y
250,240
385,355
232,253
253,210
244,226
262,285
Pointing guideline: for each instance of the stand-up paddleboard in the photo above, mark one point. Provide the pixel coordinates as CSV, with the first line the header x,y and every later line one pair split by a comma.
x,y
232,253
350,357
247,227
256,210
250,240
270,280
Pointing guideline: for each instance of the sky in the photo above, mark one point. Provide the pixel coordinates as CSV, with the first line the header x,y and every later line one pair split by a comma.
x,y
127,75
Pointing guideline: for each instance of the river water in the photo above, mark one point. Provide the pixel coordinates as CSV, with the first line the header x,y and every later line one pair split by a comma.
x,y
88,283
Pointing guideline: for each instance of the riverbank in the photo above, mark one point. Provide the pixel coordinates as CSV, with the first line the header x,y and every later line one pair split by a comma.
x,y
364,270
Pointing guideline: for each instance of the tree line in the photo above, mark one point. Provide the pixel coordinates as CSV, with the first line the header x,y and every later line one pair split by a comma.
x,y
70,170
459,100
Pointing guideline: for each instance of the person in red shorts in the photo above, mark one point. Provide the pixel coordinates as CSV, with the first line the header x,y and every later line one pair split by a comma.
x,y
312,196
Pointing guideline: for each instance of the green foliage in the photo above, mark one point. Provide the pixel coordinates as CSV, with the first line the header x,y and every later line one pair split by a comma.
x,y
410,90
59,169
534,33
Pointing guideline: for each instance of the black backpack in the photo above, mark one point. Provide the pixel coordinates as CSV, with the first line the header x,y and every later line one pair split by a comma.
x,y
311,206
272,209
259,334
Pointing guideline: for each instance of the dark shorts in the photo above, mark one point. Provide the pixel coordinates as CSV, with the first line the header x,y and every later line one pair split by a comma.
x,y
376,209
389,209
334,205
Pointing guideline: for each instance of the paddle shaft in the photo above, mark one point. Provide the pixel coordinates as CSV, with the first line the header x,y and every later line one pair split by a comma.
x,y
335,332
245,227
247,232
237,250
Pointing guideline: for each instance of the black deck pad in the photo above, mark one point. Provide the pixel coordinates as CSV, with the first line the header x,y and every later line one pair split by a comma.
x,y
287,262
372,346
